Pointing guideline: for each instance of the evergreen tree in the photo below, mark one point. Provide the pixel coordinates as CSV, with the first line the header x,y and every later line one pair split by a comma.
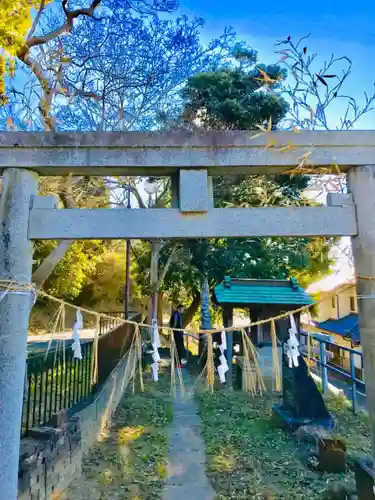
x,y
244,95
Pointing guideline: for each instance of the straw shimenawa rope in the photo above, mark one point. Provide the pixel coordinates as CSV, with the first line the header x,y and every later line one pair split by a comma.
x,y
283,315
135,360
15,286
138,342
175,366
134,354
248,383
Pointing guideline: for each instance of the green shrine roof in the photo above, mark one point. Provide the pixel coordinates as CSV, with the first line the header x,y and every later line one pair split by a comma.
x,y
258,291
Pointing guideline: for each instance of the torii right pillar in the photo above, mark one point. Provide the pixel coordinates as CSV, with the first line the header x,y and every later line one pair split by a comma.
x,y
361,184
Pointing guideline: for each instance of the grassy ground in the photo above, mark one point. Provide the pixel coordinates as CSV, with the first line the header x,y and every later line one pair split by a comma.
x,y
247,457
131,460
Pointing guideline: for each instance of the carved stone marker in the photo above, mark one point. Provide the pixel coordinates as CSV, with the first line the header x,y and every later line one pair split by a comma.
x,y
302,403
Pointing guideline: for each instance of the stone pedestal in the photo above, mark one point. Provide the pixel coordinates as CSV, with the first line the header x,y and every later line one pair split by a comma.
x,y
364,479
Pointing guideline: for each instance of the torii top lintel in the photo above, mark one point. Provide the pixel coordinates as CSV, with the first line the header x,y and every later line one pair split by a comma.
x,y
163,153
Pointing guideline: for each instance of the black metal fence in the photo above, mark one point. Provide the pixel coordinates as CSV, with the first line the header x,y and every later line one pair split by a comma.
x,y
55,381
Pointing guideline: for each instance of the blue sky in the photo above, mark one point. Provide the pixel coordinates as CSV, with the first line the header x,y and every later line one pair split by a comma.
x,y
343,28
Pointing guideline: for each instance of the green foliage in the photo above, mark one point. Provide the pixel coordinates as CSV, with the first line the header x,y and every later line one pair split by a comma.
x,y
247,457
353,429
239,95
104,288
131,462
74,269
84,260
106,282
231,98
244,95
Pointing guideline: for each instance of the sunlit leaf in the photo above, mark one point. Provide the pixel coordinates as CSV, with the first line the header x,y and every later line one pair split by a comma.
x,y
10,124
290,147
258,135
336,168
296,130
270,143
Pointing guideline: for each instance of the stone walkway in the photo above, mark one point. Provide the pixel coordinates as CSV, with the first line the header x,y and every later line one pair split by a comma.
x,y
186,478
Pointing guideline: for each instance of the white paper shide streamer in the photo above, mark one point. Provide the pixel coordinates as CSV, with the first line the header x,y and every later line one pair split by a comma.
x,y
223,367
155,345
78,325
291,347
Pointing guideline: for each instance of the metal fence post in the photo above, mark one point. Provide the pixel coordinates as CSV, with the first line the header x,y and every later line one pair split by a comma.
x,y
354,385
323,365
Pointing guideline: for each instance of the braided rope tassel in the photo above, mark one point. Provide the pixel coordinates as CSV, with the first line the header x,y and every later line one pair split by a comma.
x,y
275,360
173,352
138,343
249,384
131,365
174,366
210,365
258,384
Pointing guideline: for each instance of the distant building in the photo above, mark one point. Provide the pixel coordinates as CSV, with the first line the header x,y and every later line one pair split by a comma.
x,y
337,316
338,302
337,313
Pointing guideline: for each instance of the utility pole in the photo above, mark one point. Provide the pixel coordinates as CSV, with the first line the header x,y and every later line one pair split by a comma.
x,y
127,263
16,254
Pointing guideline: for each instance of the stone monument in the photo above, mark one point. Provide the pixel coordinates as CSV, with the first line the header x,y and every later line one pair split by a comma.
x,y
302,403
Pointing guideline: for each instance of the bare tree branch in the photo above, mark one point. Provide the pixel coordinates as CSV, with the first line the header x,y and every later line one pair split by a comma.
x,y
136,193
46,268
37,19
167,266
67,27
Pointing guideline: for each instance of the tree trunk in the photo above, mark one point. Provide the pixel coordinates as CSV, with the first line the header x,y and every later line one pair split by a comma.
x,y
205,305
154,278
49,264
160,308
192,309
205,312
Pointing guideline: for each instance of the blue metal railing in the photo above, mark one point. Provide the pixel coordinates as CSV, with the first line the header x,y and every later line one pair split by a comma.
x,y
357,385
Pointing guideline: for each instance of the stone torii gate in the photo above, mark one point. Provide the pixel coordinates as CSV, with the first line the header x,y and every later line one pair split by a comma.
x,y
191,160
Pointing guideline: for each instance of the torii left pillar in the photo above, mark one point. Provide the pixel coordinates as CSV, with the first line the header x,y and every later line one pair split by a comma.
x,y
18,189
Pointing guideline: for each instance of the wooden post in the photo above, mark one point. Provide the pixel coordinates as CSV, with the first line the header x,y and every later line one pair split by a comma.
x,y
228,321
